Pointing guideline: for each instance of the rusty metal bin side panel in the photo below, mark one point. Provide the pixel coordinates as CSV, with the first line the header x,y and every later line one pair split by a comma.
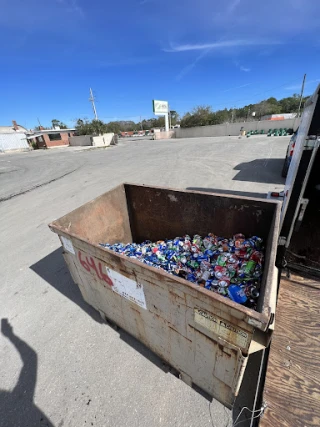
x,y
167,324
159,213
239,314
104,219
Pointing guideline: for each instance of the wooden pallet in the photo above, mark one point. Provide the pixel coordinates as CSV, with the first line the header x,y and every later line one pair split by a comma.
x,y
292,388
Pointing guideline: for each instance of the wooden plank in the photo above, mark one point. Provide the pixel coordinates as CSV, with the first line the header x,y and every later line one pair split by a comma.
x,y
292,387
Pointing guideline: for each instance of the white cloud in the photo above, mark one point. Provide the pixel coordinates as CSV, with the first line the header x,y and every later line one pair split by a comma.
x,y
189,67
298,86
142,2
219,45
71,6
237,87
293,87
233,5
243,17
208,47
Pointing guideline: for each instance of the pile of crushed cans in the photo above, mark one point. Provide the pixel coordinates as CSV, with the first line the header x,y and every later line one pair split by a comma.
x,y
230,267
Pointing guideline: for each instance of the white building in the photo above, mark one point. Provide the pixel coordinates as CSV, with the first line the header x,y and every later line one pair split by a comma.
x,y
13,137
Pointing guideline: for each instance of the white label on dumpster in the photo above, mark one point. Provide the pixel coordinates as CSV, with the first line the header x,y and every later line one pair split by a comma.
x,y
221,327
127,288
67,244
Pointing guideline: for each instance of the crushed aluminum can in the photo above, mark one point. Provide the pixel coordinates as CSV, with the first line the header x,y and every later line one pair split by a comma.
x,y
231,267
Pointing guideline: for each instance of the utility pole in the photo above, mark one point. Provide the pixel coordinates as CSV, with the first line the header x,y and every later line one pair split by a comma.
x,y
302,89
166,121
91,99
141,123
248,112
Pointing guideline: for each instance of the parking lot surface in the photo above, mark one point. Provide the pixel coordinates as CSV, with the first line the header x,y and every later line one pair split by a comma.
x,y
61,366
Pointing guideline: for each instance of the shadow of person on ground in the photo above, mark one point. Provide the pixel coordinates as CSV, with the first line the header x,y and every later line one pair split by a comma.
x,y
17,408
266,171
54,271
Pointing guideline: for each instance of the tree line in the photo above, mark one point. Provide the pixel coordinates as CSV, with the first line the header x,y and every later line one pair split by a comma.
x,y
204,115
199,116
55,123
96,127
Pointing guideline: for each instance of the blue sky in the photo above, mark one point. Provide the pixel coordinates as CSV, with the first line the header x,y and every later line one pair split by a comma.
x,y
222,53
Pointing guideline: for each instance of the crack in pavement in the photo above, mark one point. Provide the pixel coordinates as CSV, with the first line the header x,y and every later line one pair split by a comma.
x,y
3,199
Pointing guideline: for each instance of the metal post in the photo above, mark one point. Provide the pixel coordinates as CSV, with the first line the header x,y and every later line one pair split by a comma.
x,y
166,118
248,113
302,89
91,99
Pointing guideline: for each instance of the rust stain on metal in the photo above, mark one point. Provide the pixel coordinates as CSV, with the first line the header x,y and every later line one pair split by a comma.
x,y
220,347
175,330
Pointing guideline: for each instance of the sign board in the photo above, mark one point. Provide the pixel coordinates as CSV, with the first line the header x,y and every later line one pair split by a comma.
x,y
160,107
67,244
127,288
222,328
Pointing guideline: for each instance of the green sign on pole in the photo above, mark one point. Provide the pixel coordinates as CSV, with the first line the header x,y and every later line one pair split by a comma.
x,y
160,107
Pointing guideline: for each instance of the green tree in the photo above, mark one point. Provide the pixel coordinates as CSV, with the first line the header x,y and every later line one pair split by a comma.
x,y
113,127
199,116
223,116
266,107
291,104
95,127
58,123
174,117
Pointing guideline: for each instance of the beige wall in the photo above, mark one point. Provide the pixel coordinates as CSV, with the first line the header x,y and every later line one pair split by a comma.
x,y
233,129
102,140
164,135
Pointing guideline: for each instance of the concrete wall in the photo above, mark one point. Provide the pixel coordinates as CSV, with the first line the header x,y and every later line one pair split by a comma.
x,y
233,129
108,138
102,140
13,141
97,141
80,140
164,135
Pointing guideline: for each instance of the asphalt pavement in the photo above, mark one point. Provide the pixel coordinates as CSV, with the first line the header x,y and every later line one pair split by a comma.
x,y
61,366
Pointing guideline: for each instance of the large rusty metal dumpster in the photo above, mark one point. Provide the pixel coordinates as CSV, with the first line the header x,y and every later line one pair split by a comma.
x,y
203,335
